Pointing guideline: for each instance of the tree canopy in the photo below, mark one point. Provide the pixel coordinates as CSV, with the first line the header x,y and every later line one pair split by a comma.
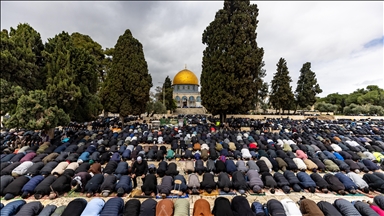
x,y
127,85
21,59
34,112
281,96
362,101
307,87
232,61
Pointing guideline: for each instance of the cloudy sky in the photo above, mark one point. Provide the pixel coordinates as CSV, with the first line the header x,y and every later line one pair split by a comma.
x,y
342,40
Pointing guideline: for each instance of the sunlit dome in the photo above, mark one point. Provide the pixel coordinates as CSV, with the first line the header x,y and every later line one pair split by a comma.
x,y
185,77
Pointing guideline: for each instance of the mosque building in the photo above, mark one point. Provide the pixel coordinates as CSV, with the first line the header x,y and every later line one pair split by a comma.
x,y
186,89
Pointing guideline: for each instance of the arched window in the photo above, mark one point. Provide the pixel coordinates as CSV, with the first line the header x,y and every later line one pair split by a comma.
x,y
198,99
184,98
191,98
177,98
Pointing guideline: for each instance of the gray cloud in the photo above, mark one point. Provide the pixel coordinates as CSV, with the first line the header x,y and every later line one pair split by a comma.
x,y
330,35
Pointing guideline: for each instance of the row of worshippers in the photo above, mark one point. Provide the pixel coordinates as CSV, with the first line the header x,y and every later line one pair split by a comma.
x,y
239,205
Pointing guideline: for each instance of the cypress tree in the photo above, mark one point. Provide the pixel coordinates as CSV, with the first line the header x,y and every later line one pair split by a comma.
x,y
21,60
61,89
169,102
127,85
307,87
281,96
232,61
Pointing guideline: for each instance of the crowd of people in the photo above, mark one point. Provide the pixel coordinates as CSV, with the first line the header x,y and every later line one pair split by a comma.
x,y
238,206
342,156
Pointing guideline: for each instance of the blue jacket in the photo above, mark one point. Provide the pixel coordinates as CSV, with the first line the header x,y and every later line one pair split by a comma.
x,y
347,182
122,149
84,156
32,183
305,180
230,166
257,208
91,149
338,156
116,157
12,208
93,207
122,168
113,207
370,165
125,183
329,155
126,153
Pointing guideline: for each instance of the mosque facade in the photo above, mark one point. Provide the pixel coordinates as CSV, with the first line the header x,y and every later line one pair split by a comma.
x,y
186,89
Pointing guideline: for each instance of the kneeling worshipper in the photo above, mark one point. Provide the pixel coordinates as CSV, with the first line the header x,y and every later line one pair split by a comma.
x,y
62,184
202,207
345,207
43,188
282,182
269,181
224,183
239,183
359,182
240,206
93,185
349,185
254,181
193,183
208,184
309,208
222,207
306,182
166,186
328,209
334,184
374,182
321,184
149,187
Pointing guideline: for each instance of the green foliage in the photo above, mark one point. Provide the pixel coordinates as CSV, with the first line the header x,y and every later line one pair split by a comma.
x,y
281,96
73,64
169,101
21,60
93,48
127,85
34,112
372,97
325,107
9,96
155,107
232,62
307,87
61,88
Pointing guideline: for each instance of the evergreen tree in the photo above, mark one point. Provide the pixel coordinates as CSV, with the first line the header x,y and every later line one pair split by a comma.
x,y
9,96
169,101
93,48
307,87
21,60
232,61
281,96
33,112
61,88
73,75
127,85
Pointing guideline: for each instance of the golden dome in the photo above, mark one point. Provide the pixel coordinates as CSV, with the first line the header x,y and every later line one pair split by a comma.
x,y
185,77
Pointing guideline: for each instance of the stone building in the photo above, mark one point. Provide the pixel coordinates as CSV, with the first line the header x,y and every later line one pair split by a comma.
x,y
186,89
